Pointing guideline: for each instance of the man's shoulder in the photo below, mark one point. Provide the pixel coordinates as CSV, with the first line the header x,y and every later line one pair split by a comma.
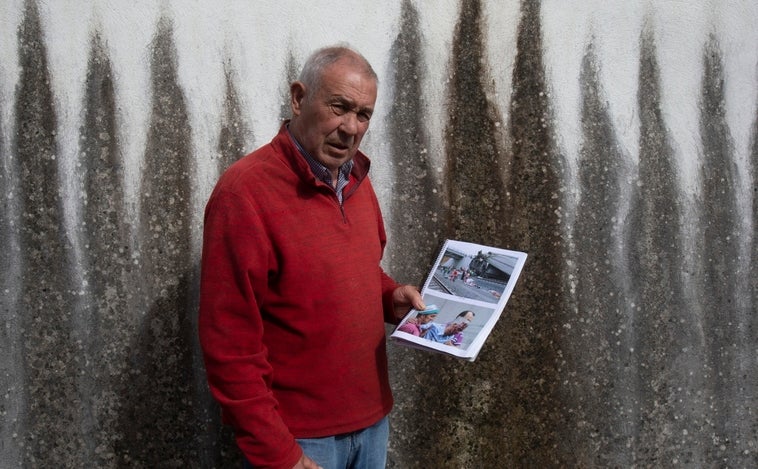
x,y
240,174
252,167
247,162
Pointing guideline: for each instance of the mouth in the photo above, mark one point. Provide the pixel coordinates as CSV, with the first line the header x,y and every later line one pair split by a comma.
x,y
338,145
339,148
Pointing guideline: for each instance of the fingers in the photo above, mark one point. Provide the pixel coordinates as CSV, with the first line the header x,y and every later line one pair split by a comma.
x,y
415,298
307,463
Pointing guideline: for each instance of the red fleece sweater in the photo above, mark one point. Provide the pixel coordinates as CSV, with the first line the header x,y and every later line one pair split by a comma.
x,y
293,303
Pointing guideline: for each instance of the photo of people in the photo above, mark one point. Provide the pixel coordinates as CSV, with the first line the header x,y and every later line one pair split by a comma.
x,y
447,322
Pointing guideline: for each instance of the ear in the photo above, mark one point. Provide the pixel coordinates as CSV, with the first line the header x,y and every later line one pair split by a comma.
x,y
297,95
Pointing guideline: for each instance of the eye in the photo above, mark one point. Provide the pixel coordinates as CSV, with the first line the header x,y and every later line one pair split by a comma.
x,y
338,108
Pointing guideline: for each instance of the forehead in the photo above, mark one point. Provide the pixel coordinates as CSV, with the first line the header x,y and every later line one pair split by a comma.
x,y
349,81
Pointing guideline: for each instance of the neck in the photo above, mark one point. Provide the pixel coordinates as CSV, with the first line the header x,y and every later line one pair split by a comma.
x,y
335,176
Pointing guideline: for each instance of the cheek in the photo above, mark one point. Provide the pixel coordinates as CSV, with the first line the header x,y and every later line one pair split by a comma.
x,y
362,130
328,130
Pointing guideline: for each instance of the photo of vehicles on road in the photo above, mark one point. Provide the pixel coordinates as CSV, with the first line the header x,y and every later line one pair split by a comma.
x,y
477,275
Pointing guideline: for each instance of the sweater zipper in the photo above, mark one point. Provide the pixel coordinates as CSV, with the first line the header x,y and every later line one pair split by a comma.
x,y
333,195
345,196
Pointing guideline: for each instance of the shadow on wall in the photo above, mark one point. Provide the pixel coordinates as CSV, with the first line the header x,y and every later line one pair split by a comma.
x,y
156,417
167,418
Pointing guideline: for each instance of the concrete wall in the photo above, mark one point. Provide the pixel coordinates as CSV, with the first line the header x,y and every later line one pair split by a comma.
x,y
615,141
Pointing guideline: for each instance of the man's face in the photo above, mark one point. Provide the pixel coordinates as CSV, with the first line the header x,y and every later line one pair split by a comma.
x,y
455,328
330,121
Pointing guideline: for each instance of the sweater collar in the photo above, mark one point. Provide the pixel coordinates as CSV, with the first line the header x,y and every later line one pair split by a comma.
x,y
321,171
289,148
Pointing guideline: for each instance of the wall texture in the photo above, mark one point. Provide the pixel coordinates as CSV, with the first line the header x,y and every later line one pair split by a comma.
x,y
614,141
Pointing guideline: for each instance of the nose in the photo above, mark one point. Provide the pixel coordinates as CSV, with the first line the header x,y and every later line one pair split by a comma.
x,y
350,124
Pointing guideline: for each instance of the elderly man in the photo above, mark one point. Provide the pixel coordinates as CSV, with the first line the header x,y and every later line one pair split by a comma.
x,y
293,297
447,334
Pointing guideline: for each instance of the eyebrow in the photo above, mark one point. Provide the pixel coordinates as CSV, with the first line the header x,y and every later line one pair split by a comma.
x,y
351,104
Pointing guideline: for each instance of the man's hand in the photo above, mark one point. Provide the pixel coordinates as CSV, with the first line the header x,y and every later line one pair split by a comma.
x,y
406,297
306,463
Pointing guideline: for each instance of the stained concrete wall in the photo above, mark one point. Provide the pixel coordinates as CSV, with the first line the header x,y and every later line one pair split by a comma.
x,y
614,141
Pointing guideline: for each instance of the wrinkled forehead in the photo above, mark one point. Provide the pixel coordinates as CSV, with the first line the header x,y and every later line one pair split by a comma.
x,y
350,89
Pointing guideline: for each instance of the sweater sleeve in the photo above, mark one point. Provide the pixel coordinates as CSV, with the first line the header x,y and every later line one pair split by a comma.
x,y
237,259
388,283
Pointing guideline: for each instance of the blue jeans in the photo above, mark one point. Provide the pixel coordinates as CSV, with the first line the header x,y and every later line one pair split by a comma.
x,y
362,449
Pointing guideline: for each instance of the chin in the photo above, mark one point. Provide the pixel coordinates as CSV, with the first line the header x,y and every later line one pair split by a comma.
x,y
335,162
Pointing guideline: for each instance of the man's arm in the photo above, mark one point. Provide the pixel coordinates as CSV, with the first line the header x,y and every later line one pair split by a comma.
x,y
235,266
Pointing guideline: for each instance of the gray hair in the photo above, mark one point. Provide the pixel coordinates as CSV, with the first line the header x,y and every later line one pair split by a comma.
x,y
321,59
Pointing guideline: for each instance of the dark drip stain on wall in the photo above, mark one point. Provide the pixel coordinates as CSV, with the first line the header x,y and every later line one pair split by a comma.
x,y
51,359
417,227
291,71
417,218
524,348
11,345
654,220
658,318
158,418
105,323
752,322
593,349
474,181
234,140
719,264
